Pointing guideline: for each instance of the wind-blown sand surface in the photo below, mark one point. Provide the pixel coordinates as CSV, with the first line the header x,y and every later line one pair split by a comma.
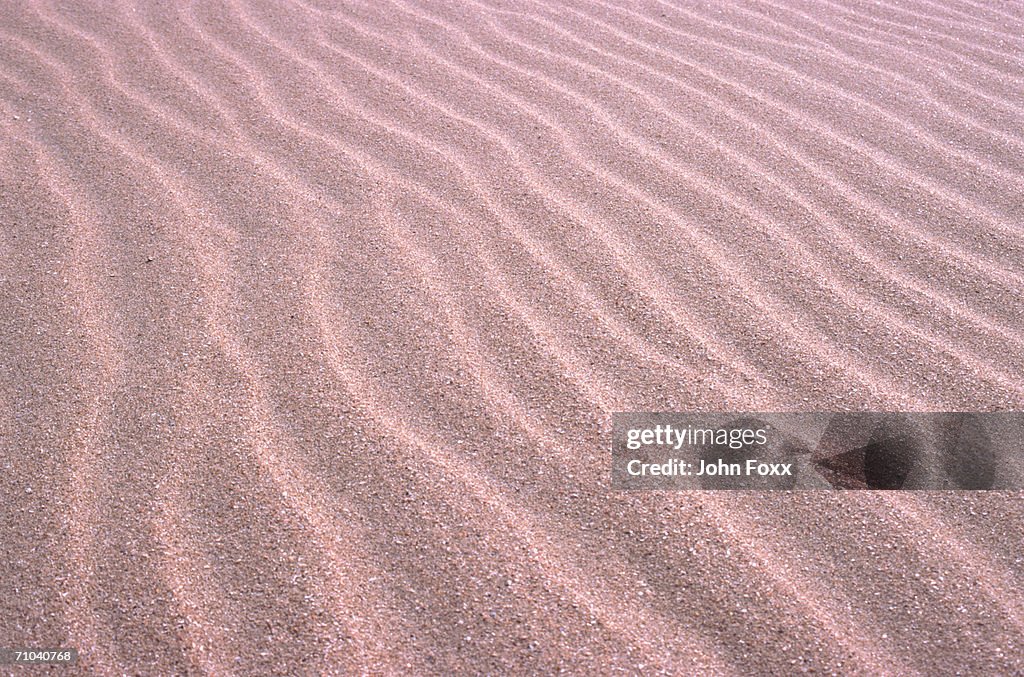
x,y
314,315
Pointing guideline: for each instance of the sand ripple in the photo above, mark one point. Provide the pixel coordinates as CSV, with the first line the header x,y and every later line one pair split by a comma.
x,y
315,314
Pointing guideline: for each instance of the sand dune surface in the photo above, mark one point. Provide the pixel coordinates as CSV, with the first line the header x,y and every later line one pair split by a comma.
x,y
315,312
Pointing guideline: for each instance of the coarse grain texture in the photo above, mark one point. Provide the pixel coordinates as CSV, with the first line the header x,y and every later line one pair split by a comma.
x,y
313,314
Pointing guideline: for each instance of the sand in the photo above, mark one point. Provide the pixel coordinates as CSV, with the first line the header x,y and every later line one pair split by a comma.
x,y
314,315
